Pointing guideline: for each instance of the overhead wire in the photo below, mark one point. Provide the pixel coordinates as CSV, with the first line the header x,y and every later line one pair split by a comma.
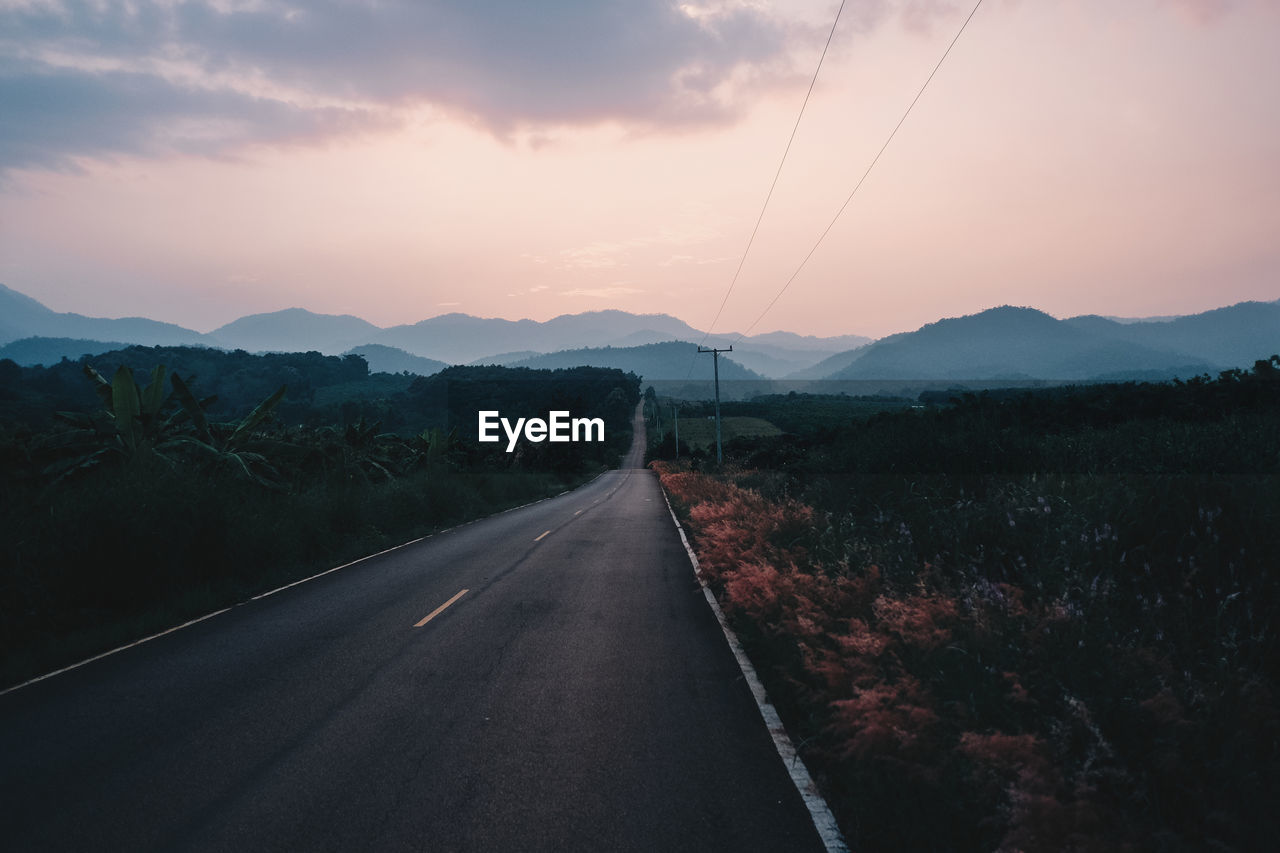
x,y
863,179
773,185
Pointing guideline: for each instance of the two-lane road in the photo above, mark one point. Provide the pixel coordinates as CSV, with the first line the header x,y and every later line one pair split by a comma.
x,y
571,690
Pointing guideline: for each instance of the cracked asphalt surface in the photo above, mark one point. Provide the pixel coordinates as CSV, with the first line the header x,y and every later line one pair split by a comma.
x,y
579,696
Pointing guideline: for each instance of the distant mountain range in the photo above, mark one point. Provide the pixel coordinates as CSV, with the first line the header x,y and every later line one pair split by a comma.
x,y
23,317
1017,343
449,338
1001,344
296,330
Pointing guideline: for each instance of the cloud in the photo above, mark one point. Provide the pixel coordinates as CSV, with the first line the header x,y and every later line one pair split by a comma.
x,y
53,115
95,78
689,228
607,292
675,260
597,255
84,78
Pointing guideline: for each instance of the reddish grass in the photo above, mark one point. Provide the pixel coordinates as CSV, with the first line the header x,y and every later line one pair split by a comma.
x,y
943,709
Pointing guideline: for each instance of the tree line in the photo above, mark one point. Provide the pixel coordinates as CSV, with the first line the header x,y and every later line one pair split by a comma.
x,y
134,493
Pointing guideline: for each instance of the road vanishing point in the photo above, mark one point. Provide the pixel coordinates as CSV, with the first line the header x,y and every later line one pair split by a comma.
x,y
550,678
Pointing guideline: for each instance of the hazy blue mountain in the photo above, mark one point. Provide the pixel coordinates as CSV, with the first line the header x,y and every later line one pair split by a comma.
x,y
829,366
1007,343
771,363
1002,343
20,315
32,351
295,330
792,341
450,338
1160,318
600,328
23,317
504,359
648,336
671,360
385,359
462,338
1235,336
770,360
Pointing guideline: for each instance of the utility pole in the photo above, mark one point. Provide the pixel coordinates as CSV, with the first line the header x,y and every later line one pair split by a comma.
x,y
715,358
675,416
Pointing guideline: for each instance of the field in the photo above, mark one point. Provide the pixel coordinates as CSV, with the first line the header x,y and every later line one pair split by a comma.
x,y
762,417
700,432
1017,621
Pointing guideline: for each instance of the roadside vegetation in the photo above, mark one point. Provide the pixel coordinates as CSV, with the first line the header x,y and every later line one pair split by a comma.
x,y
1016,621
764,415
142,501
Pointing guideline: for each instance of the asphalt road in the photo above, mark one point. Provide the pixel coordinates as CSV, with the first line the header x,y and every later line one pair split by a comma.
x,y
578,696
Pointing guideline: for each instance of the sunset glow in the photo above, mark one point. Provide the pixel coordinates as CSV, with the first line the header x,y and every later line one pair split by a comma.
x,y
195,162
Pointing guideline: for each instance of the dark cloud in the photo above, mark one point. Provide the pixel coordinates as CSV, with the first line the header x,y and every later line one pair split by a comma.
x,y
54,115
88,79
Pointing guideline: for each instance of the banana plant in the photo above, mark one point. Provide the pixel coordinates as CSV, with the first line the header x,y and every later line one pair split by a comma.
x,y
433,446
133,422
226,446
135,412
130,423
368,452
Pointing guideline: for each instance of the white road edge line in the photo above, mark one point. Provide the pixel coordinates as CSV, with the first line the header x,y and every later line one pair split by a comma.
x,y
102,655
336,568
191,622
823,820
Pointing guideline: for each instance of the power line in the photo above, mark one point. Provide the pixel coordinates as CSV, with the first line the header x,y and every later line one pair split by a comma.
x,y
861,180
776,174
742,261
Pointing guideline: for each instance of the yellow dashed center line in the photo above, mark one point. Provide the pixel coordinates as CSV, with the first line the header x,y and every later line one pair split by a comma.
x,y
434,613
539,538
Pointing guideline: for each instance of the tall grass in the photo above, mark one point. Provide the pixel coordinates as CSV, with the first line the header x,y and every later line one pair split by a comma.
x,y
990,632
132,548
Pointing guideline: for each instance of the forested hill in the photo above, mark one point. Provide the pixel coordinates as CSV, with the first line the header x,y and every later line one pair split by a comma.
x,y
324,389
384,359
671,360
32,351
454,396
237,379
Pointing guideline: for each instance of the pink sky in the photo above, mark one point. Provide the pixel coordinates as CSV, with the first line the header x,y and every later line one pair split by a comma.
x,y
1078,157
